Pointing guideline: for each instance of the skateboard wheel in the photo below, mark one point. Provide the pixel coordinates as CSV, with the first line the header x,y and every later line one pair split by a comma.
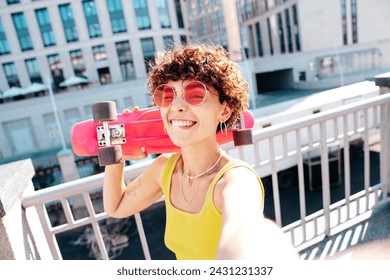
x,y
109,155
242,137
104,111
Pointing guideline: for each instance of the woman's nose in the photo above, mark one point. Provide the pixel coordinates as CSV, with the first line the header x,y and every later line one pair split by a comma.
x,y
178,103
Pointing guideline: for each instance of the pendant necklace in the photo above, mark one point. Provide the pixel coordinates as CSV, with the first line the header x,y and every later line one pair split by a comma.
x,y
195,177
196,191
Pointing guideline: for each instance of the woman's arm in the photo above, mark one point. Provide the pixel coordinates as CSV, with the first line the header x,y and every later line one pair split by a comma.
x,y
122,201
246,234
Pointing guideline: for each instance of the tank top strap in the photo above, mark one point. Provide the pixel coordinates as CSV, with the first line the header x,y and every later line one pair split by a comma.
x,y
167,175
228,166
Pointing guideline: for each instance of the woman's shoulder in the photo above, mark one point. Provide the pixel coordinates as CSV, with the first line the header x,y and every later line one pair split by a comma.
x,y
162,160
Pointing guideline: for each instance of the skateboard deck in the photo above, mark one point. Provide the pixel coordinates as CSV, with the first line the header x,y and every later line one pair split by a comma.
x,y
134,130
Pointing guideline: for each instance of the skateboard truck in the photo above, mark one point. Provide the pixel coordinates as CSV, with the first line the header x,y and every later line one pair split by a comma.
x,y
241,135
108,136
116,132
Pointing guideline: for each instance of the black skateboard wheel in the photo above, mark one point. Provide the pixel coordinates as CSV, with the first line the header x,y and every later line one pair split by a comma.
x,y
104,111
242,137
110,155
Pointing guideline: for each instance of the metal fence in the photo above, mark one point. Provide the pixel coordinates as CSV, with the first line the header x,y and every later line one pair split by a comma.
x,y
293,144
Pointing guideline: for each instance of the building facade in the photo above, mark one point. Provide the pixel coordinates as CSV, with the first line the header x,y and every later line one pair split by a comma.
x,y
279,44
215,21
313,44
108,42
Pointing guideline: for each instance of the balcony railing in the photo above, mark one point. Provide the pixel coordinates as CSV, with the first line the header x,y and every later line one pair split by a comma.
x,y
290,144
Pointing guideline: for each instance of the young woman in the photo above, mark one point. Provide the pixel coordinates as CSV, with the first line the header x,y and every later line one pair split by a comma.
x,y
214,203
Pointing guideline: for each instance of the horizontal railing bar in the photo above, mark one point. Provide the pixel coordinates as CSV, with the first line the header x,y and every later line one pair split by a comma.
x,y
309,120
73,187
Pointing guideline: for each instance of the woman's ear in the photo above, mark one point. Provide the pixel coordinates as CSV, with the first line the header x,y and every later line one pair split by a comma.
x,y
226,113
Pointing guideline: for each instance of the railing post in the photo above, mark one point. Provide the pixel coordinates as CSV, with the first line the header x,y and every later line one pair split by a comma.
x,y
21,235
383,81
69,172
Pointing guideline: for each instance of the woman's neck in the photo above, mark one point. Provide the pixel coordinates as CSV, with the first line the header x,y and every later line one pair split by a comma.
x,y
197,160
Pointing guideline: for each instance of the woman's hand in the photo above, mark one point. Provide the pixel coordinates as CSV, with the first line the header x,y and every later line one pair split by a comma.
x,y
141,155
142,152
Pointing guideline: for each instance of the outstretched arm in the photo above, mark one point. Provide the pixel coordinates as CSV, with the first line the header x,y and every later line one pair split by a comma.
x,y
246,234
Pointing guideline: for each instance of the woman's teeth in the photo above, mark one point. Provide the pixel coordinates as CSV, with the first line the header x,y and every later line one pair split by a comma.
x,y
182,123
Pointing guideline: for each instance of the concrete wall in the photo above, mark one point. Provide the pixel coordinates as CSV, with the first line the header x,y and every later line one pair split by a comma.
x,y
21,235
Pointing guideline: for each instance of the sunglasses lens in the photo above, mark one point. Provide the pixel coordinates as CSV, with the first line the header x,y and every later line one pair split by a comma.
x,y
195,93
163,95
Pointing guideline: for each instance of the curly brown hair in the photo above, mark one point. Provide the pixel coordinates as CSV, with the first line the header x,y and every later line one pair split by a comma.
x,y
209,64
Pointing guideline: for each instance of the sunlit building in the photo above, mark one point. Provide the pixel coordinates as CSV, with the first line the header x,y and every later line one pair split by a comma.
x,y
215,21
108,43
313,44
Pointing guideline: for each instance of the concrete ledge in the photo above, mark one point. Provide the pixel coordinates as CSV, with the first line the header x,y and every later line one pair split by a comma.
x,y
15,177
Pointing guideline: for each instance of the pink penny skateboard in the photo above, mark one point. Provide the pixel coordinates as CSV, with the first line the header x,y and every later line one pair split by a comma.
x,y
131,130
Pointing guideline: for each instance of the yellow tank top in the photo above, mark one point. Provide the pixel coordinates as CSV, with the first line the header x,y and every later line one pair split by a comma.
x,y
195,236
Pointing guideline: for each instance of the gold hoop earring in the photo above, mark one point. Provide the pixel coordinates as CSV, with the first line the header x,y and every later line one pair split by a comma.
x,y
223,129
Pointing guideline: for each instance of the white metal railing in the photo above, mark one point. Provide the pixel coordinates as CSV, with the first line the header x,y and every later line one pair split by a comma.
x,y
290,143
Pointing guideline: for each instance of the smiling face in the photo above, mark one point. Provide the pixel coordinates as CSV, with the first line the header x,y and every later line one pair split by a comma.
x,y
190,125
208,64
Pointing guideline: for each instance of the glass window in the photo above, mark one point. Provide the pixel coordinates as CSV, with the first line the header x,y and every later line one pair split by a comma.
x,y
148,50
354,21
248,9
214,22
240,13
33,70
10,2
224,41
4,47
289,32
203,27
78,63
200,6
142,14
22,31
168,42
56,70
344,21
194,29
92,19
125,60
99,52
163,13
217,40
11,74
179,14
183,39
45,27
296,28
271,46
259,40
116,15
244,41
221,20
68,23
281,34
